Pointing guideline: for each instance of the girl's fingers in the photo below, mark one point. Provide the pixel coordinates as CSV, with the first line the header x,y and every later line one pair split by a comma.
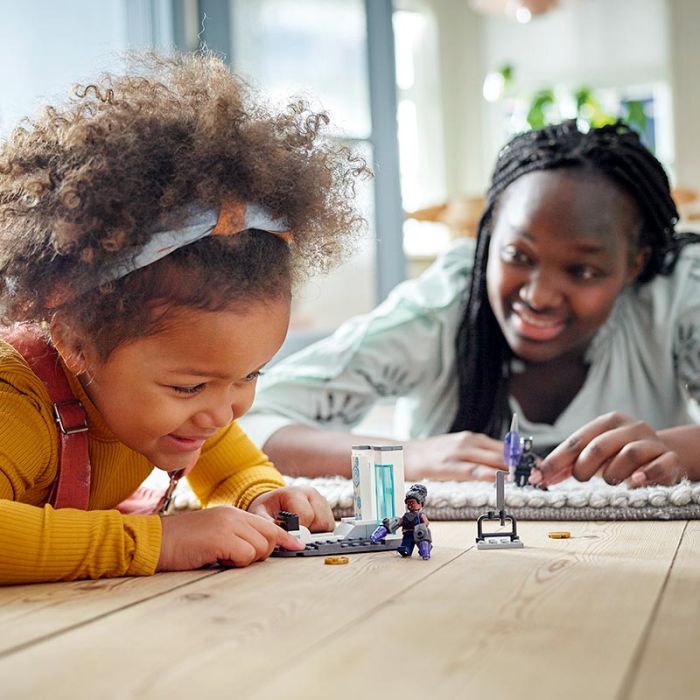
x,y
297,501
241,554
323,520
261,535
311,507
286,541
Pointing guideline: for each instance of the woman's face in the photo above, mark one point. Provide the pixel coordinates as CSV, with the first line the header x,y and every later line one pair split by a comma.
x,y
562,248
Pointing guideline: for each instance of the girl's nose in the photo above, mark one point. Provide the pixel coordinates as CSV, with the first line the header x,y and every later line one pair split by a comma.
x,y
216,415
541,292
224,409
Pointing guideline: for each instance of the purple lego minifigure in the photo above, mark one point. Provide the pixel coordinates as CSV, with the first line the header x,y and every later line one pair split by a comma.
x,y
414,525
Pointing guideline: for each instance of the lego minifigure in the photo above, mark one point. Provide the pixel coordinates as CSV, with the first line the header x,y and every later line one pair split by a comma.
x,y
526,463
518,455
413,523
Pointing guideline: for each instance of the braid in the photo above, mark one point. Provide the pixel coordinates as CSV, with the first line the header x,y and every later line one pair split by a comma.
x,y
483,355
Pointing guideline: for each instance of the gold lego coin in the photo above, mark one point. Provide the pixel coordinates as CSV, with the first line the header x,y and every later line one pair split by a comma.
x,y
562,535
336,560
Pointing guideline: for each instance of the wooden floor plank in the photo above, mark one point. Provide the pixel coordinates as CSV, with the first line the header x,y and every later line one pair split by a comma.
x,y
668,663
39,610
560,618
222,635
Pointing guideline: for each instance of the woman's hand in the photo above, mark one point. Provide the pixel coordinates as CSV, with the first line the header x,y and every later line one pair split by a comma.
x,y
306,502
463,456
224,534
617,446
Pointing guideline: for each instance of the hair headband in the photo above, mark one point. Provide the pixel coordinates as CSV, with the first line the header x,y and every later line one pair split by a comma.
x,y
231,218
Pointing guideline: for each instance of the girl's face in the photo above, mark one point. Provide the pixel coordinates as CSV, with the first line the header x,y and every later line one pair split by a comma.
x,y
562,249
165,394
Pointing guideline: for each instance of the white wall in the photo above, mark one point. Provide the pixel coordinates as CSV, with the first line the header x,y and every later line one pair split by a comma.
x,y
461,77
685,43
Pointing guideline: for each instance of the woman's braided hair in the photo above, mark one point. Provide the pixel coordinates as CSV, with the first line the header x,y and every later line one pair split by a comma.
x,y
615,151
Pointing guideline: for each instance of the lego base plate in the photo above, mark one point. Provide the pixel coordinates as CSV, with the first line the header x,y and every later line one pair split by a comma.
x,y
499,543
352,545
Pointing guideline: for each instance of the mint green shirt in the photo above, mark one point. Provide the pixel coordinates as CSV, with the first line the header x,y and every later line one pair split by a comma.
x,y
644,361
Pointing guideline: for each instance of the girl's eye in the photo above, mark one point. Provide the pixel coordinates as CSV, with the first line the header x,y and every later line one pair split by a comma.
x,y
189,389
252,376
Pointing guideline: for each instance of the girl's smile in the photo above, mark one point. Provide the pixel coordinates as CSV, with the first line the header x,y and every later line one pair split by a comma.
x,y
563,247
187,444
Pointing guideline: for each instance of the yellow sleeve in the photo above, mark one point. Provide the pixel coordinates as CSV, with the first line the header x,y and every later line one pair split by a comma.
x,y
232,471
46,544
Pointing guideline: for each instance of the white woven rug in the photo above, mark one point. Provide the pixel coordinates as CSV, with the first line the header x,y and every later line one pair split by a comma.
x,y
467,500
569,500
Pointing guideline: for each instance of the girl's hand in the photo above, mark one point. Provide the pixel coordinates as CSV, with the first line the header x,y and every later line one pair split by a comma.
x,y
619,447
463,456
306,502
226,535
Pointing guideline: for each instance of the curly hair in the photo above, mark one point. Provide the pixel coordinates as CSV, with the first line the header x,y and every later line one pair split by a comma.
x,y
95,176
614,152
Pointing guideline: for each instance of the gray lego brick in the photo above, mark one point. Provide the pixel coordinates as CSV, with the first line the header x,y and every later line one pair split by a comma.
x,y
499,543
346,546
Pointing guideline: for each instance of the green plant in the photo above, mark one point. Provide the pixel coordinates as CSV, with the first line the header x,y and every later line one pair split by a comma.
x,y
545,106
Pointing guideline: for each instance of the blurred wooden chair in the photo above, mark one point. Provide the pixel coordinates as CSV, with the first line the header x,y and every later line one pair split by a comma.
x,y
460,214
688,203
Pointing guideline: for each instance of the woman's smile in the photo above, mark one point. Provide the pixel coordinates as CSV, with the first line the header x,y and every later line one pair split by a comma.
x,y
534,326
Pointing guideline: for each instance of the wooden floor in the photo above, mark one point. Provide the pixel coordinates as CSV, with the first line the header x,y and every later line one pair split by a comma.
x,y
613,612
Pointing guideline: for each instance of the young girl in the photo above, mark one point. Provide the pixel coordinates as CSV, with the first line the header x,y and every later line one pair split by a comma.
x,y
153,228
578,309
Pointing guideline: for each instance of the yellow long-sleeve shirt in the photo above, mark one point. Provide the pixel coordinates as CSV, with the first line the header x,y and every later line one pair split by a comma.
x,y
41,543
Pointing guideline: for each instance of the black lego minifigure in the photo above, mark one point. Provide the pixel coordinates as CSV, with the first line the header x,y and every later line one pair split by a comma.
x,y
413,523
526,463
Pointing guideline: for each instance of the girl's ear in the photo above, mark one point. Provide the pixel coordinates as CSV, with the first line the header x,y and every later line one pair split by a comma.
x,y
637,264
71,345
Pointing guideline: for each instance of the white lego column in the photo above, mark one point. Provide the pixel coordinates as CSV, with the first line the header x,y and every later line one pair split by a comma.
x,y
362,469
378,491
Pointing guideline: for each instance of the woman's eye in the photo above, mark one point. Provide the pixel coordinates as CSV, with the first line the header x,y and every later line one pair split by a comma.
x,y
513,255
586,272
189,389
